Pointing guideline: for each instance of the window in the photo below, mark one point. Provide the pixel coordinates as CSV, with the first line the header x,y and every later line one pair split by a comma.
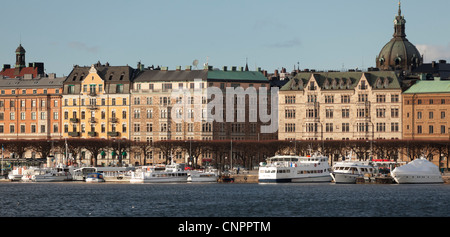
x,y
345,99
150,127
419,115
443,129
329,99
329,113
119,88
289,99
345,113
346,127
431,129
329,127
442,115
395,98
33,128
430,114
419,129
394,127
394,112
381,127
381,98
289,127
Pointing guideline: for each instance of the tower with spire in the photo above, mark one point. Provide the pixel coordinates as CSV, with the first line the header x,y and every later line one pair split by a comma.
x,y
399,54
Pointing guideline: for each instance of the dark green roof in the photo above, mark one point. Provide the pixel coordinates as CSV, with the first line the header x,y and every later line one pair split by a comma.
x,y
429,86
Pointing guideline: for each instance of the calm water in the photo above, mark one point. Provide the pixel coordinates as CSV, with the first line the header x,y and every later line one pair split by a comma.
x,y
74,199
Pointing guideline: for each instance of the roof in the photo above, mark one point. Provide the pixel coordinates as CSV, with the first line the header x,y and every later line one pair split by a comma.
x,y
429,86
44,82
106,72
191,75
344,80
160,75
10,72
241,76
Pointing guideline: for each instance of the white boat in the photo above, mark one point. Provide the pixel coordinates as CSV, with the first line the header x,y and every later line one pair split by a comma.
x,y
57,174
295,169
172,173
207,175
417,171
16,173
80,174
349,171
116,174
95,178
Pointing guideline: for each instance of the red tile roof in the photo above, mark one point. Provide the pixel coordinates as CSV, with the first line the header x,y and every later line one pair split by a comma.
x,y
10,72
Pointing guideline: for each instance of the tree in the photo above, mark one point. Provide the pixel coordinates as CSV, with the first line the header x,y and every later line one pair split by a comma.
x,y
94,146
142,147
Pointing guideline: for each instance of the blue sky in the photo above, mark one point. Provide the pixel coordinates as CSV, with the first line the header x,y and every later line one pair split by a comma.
x,y
320,34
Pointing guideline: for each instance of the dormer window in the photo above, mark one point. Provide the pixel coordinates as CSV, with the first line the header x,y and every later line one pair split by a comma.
x,y
363,85
311,86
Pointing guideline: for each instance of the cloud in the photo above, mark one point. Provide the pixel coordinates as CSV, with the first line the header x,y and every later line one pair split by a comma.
x,y
82,46
434,52
286,44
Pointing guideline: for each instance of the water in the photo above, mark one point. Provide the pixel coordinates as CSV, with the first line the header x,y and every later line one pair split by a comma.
x,y
74,199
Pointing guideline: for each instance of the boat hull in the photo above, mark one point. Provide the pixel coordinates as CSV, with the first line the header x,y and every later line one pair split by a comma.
x,y
91,180
15,177
345,178
159,180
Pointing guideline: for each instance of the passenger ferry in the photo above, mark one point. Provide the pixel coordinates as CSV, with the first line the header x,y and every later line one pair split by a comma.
x,y
416,172
349,171
172,173
295,169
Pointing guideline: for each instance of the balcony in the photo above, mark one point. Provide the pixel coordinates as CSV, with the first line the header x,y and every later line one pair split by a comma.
x,y
114,120
74,134
92,120
92,93
92,134
92,106
74,120
113,134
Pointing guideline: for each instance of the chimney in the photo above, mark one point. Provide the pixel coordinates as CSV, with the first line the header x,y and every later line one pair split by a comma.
x,y
52,75
188,68
178,68
6,66
224,68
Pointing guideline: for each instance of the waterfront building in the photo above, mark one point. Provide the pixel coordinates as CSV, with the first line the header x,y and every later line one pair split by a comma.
x,y
173,105
426,110
341,106
96,102
30,101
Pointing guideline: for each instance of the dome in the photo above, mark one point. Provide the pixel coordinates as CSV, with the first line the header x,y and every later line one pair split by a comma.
x,y
399,53
20,49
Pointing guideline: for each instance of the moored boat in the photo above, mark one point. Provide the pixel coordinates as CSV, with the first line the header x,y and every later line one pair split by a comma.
x,y
54,174
295,169
207,175
16,173
172,173
350,171
95,178
418,171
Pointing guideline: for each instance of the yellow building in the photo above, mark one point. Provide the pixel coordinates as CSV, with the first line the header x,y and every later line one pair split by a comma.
x,y
96,102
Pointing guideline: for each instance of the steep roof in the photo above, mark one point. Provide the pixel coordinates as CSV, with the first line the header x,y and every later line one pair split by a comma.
x,y
238,76
108,73
344,80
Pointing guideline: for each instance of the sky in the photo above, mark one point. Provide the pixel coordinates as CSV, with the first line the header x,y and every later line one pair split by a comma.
x,y
319,34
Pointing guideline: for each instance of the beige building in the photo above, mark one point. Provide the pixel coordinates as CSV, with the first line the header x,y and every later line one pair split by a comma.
x,y
341,106
173,105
